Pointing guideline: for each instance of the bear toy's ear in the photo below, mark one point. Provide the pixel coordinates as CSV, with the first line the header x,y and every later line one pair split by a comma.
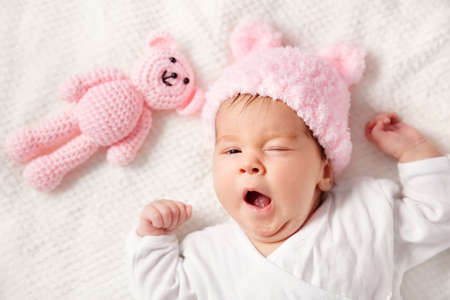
x,y
194,105
348,60
161,39
252,34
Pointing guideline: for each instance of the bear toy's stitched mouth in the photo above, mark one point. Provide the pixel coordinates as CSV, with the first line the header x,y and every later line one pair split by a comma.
x,y
257,199
164,77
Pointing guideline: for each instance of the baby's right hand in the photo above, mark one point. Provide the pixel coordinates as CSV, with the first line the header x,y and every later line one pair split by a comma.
x,y
163,217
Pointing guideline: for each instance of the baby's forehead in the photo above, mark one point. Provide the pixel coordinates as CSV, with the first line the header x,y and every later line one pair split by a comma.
x,y
271,117
269,129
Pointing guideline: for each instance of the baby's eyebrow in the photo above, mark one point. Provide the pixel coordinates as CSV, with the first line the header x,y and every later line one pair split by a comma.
x,y
288,135
269,136
226,137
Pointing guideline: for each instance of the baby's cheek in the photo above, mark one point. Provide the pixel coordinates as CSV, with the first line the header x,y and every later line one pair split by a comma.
x,y
295,202
220,176
296,191
286,172
224,180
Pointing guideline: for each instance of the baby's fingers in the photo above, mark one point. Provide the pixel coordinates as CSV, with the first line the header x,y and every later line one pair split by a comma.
x,y
378,131
151,213
175,215
388,118
184,213
162,217
368,130
383,123
168,213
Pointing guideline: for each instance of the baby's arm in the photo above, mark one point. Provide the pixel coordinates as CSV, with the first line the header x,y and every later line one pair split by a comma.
x,y
153,254
422,207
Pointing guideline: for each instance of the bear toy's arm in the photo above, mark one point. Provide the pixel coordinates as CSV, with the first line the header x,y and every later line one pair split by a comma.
x,y
75,87
124,151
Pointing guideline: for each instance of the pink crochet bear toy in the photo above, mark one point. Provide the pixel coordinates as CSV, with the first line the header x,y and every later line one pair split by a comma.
x,y
111,110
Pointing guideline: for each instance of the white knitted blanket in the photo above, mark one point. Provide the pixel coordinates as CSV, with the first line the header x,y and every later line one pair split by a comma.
x,y
68,244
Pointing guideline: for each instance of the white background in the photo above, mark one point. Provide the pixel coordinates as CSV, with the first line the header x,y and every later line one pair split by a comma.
x,y
68,244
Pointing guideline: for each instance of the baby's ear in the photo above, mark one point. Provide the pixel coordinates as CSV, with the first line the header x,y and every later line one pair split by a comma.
x,y
251,34
327,180
161,39
348,60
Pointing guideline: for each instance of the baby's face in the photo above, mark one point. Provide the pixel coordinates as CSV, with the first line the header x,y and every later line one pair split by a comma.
x,y
264,148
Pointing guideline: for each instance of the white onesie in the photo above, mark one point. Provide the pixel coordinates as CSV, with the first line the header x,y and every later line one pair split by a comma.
x,y
357,245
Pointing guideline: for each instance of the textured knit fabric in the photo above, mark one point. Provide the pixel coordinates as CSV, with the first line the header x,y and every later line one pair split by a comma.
x,y
111,110
313,85
357,245
68,244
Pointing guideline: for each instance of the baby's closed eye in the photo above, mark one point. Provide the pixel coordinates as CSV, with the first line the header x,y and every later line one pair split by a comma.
x,y
277,149
271,149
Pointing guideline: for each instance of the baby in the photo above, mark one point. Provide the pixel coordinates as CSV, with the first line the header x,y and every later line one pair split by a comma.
x,y
280,122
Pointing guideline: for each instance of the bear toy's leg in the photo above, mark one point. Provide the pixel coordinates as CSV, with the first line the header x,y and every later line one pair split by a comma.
x,y
46,172
29,142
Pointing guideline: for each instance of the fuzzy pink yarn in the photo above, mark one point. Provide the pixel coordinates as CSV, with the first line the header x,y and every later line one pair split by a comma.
x,y
111,110
315,86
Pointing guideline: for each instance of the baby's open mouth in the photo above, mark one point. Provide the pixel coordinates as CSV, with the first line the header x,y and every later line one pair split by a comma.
x,y
257,199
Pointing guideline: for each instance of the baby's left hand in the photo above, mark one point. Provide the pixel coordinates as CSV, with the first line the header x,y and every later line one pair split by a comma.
x,y
398,139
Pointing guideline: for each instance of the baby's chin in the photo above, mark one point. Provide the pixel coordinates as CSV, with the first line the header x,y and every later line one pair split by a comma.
x,y
270,232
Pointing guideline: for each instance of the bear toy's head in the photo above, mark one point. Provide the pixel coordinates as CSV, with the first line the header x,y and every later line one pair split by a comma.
x,y
165,78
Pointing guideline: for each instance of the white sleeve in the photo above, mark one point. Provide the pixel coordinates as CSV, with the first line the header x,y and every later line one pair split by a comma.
x,y
421,210
155,268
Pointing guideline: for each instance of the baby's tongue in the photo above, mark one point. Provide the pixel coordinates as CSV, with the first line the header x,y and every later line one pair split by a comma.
x,y
261,201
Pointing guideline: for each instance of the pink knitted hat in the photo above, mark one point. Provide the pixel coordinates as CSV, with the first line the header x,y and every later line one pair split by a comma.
x,y
316,86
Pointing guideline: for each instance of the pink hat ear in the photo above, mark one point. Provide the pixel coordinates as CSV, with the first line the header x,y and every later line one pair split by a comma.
x,y
251,34
161,39
348,60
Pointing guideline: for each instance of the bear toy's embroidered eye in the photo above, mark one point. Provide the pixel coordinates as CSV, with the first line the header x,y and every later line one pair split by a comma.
x,y
186,80
173,60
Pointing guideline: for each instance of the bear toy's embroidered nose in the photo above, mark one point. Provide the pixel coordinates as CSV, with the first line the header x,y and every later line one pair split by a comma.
x,y
164,77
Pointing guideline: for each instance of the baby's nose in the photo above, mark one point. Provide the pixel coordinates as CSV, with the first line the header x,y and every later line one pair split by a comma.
x,y
254,168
